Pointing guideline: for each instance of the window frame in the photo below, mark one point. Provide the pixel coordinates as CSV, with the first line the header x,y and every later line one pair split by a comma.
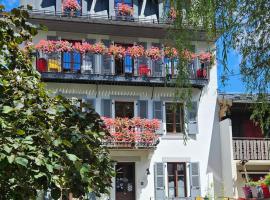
x,y
174,114
71,63
176,175
123,102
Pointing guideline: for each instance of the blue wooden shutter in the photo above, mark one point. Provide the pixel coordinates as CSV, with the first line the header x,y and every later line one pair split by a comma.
x,y
128,64
106,107
157,110
192,113
143,109
91,102
159,181
195,184
158,114
106,60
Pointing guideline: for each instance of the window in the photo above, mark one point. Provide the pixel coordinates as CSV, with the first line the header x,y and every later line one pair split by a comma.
x,y
124,65
72,61
176,180
174,117
124,109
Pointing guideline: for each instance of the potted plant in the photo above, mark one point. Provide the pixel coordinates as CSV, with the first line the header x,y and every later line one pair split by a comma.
x,y
247,192
71,6
124,9
253,185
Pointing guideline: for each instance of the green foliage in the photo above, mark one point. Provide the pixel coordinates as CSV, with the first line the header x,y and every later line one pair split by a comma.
x,y
45,142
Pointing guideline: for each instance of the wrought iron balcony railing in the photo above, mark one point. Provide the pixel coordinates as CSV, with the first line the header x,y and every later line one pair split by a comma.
x,y
251,149
135,133
91,67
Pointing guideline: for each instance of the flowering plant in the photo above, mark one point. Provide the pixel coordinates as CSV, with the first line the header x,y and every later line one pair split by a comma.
x,y
135,130
99,48
188,55
117,51
63,46
135,51
125,9
46,46
154,53
205,57
172,14
71,5
171,52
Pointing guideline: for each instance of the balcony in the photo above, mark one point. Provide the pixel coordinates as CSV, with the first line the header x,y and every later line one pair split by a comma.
x,y
132,133
104,69
251,149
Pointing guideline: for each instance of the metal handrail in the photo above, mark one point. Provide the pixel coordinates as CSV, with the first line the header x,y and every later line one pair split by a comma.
x,y
249,138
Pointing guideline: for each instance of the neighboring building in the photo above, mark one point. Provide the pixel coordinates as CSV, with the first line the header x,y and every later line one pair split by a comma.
x,y
243,146
169,169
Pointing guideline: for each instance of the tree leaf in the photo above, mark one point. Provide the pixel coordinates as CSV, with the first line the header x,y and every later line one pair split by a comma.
x,y
40,175
7,109
7,149
49,168
21,161
20,132
11,158
72,157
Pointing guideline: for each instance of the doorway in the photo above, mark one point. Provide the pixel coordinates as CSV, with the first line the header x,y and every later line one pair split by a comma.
x,y
125,181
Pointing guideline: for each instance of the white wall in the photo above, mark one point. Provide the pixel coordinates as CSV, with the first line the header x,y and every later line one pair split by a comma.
x,y
197,148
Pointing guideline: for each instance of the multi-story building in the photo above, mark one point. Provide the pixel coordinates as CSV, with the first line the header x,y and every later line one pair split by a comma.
x,y
127,87
244,149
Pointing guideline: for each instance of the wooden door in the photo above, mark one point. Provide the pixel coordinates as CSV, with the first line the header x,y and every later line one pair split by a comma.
x,y
125,181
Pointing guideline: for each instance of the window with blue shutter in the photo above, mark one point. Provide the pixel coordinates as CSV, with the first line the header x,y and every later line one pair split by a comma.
x,y
128,64
192,113
159,181
143,109
195,184
106,107
72,61
157,110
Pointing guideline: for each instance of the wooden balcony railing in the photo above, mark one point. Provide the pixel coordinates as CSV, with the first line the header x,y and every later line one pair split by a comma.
x,y
251,149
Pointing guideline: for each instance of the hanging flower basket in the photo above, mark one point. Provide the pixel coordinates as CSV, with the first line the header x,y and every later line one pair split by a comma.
x,y
170,52
71,5
135,51
154,53
117,51
124,9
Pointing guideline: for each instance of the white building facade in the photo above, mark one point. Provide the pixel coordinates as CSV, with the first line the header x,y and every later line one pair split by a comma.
x,y
170,168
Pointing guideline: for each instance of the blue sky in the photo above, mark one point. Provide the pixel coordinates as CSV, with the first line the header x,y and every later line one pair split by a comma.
x,y
233,85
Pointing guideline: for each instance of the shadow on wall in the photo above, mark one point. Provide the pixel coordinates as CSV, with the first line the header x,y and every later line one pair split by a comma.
x,y
48,3
89,4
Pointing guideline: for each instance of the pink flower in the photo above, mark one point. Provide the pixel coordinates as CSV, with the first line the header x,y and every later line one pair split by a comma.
x,y
171,52
188,55
205,56
79,47
71,5
154,53
117,51
136,51
63,46
125,9
99,48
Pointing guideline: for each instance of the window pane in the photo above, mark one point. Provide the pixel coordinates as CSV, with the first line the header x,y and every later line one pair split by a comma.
x,y
124,109
180,168
171,186
174,117
181,186
170,168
